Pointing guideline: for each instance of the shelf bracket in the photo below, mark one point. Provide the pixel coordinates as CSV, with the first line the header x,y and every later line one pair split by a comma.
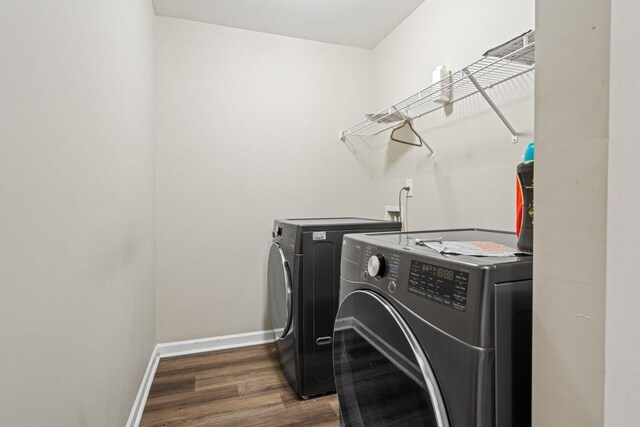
x,y
514,134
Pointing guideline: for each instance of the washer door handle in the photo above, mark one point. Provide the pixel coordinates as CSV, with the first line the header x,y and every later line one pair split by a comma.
x,y
324,340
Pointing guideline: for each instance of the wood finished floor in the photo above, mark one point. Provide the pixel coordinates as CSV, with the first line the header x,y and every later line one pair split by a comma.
x,y
242,387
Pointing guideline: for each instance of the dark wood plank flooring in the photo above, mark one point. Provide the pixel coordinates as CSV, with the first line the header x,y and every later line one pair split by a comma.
x,y
242,387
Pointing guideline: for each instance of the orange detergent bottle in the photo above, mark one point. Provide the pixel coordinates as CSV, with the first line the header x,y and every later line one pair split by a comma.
x,y
524,200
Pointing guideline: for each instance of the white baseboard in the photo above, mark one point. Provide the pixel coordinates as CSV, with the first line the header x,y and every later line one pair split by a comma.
x,y
179,348
143,391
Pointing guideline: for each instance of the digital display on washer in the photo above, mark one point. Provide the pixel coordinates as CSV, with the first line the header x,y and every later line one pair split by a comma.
x,y
442,285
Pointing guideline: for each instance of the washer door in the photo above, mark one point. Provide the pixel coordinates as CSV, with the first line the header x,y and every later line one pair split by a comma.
x,y
279,286
382,375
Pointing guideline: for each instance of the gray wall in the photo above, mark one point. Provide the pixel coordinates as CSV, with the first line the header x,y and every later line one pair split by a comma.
x,y
471,183
77,303
572,131
622,349
247,131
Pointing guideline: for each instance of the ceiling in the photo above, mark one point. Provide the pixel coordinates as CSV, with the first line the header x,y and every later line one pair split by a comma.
x,y
358,23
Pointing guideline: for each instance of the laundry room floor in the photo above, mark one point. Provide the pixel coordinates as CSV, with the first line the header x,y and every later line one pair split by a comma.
x,y
240,387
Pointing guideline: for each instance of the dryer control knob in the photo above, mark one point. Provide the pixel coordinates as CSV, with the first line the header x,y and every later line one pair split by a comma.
x,y
377,266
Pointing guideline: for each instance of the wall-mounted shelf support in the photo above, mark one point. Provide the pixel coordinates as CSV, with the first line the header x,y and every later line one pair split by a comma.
x,y
514,134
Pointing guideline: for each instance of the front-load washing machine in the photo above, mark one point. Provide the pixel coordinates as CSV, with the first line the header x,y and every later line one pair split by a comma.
x,y
424,338
303,288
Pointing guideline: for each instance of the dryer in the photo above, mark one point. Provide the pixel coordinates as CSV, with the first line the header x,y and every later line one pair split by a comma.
x,y
427,339
303,289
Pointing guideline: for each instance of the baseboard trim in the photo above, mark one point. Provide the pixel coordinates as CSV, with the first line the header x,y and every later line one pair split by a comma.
x,y
180,348
143,392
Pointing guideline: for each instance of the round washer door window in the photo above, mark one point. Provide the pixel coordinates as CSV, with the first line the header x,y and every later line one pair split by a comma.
x,y
279,288
382,375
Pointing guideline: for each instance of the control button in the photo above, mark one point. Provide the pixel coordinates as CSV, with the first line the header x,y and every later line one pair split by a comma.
x,y
377,266
365,275
392,286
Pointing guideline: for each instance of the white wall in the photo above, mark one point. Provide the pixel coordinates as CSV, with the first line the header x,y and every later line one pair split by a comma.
x,y
572,118
472,181
247,127
247,121
77,312
622,348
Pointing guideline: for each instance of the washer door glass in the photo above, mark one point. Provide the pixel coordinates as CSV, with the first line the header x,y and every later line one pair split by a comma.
x,y
382,374
279,286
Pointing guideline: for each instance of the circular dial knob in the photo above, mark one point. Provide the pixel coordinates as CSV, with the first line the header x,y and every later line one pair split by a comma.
x,y
377,266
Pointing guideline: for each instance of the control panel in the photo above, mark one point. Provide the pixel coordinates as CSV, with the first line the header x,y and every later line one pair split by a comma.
x,y
442,285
